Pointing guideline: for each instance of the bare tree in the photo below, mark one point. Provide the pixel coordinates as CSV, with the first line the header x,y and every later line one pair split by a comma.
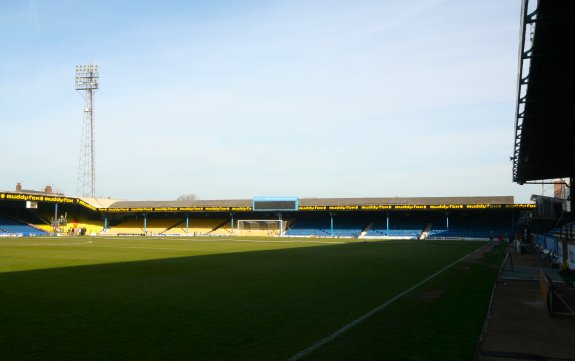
x,y
187,197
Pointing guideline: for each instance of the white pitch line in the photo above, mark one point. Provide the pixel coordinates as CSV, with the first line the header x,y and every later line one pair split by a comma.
x,y
216,239
154,248
360,319
299,242
44,244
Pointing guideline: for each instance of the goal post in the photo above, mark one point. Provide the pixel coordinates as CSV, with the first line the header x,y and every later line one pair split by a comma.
x,y
261,227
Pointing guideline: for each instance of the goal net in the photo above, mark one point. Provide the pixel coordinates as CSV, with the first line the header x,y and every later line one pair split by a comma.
x,y
257,227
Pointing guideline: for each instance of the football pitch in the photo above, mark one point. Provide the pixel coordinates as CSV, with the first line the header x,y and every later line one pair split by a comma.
x,y
242,299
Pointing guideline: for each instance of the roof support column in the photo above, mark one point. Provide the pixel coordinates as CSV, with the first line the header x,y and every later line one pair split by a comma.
x,y
570,197
331,224
281,224
55,225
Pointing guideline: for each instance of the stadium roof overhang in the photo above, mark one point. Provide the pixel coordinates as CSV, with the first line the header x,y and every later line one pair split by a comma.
x,y
325,205
544,129
314,203
245,205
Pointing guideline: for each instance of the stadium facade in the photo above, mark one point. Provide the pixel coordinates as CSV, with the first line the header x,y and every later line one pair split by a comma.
x,y
415,218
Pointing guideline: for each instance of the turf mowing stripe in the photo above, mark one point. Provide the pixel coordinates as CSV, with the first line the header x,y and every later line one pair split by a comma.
x,y
358,320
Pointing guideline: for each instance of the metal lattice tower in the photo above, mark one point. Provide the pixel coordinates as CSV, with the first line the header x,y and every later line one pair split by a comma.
x,y
87,84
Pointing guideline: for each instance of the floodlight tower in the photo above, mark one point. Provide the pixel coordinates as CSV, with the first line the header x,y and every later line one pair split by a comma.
x,y
87,84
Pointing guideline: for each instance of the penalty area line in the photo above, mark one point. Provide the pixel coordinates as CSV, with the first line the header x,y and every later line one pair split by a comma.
x,y
362,318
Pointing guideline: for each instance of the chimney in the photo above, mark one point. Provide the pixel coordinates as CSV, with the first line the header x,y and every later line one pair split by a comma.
x,y
48,189
18,187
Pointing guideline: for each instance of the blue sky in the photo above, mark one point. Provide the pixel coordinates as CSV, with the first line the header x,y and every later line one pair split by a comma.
x,y
230,99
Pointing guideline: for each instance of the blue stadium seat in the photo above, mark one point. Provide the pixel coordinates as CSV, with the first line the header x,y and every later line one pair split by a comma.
x,y
322,228
398,227
9,226
476,227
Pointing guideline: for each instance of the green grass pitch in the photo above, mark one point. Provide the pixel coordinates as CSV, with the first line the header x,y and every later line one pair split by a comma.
x,y
218,299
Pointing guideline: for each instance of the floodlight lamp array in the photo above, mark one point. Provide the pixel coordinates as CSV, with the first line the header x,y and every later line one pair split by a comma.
x,y
87,77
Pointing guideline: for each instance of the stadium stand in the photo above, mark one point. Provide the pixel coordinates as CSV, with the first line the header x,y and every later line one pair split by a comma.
x,y
204,226
352,218
309,228
476,227
128,226
176,226
155,226
399,227
89,226
251,226
258,229
67,224
322,228
171,226
10,227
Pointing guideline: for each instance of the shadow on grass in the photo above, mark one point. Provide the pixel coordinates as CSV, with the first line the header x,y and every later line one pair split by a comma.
x,y
261,305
